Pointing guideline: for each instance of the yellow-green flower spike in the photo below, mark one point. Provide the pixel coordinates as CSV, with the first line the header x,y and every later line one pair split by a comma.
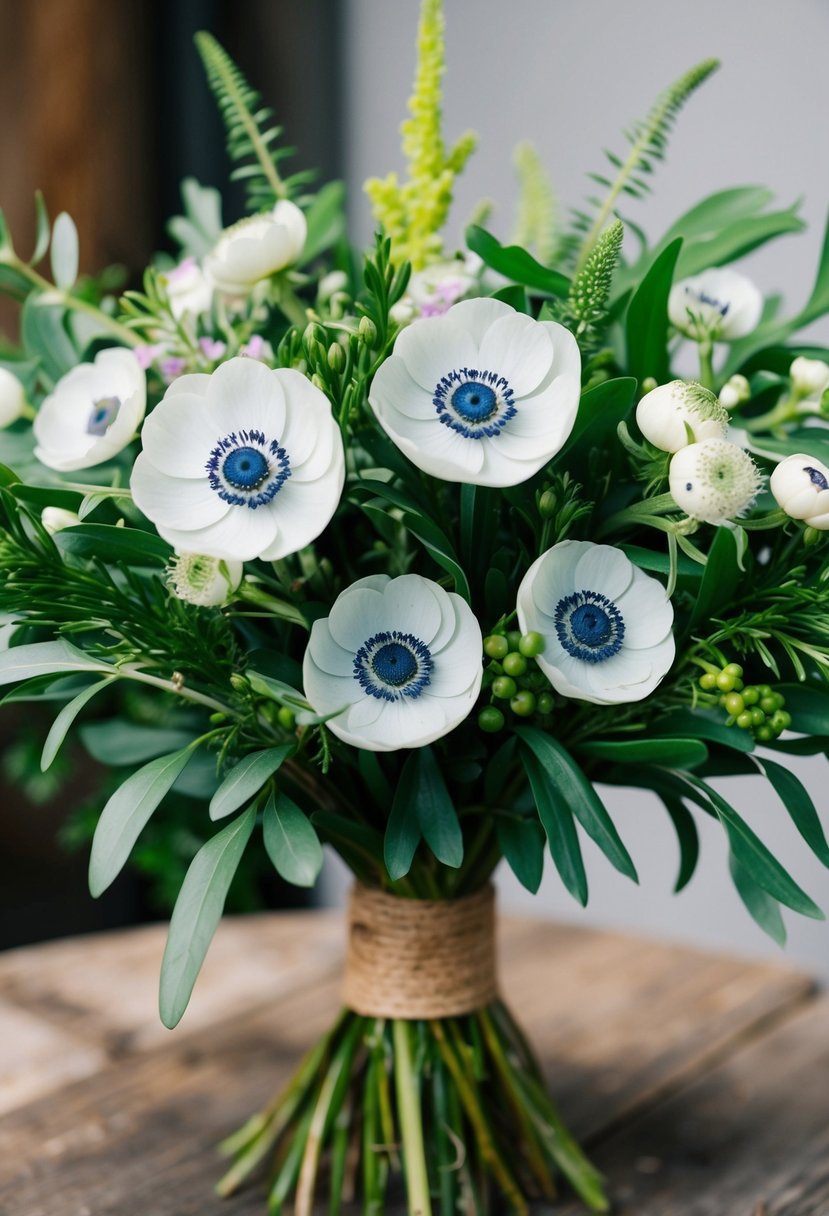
x,y
414,212
535,226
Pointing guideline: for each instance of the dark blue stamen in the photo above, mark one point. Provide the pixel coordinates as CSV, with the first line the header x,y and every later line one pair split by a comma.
x,y
104,413
477,404
589,626
816,477
247,469
711,301
392,665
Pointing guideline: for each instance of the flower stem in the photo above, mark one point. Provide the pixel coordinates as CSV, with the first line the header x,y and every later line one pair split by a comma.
x,y
785,411
639,512
75,302
179,690
706,365
289,302
411,1123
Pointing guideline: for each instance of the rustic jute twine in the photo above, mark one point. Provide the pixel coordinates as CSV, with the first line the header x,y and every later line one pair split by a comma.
x,y
417,958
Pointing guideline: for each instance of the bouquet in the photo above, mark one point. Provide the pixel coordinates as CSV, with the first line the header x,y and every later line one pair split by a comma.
x,y
401,553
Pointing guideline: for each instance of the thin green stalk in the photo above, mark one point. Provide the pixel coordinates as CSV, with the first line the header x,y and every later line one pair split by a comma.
x,y
76,303
639,513
384,1099
372,1195
444,1165
289,1168
706,364
339,1158
411,1124
178,690
290,303
785,411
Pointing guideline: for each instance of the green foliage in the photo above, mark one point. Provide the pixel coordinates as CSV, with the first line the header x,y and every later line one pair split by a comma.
x,y
516,263
646,321
198,230
535,228
422,809
246,779
587,302
291,842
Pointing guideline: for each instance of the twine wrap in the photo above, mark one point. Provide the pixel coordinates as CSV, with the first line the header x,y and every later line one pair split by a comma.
x,y
418,958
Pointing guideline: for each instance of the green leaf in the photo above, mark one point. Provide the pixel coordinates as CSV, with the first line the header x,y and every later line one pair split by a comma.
x,y
521,841
46,658
403,828
44,335
700,724
62,723
436,813
809,706
688,838
42,229
291,842
515,263
197,913
119,742
646,321
109,543
326,221
127,813
818,302
559,827
720,580
798,802
760,905
64,252
736,240
246,779
660,563
601,409
571,784
672,753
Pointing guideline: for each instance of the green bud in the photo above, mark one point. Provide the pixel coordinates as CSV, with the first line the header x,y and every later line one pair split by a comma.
x,y
514,638
750,695
286,718
545,703
708,681
744,719
649,384
367,331
314,335
336,357
239,683
734,704
548,504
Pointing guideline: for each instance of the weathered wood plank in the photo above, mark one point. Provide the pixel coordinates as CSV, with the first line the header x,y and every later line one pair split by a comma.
x,y
617,1021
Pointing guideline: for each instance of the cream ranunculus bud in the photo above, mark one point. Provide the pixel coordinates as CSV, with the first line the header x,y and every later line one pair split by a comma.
x,y
800,485
256,248
734,392
810,377
681,412
188,289
719,305
713,481
12,398
206,581
55,519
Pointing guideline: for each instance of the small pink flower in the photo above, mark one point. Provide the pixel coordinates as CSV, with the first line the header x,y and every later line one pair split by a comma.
x,y
147,354
172,368
213,348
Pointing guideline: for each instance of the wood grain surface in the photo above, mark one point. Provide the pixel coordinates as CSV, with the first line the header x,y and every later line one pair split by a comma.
x,y
700,1083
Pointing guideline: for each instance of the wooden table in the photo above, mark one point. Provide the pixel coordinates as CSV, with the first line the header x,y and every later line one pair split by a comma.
x,y
700,1083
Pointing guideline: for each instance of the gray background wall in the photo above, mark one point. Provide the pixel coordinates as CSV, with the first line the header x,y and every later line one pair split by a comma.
x,y
569,76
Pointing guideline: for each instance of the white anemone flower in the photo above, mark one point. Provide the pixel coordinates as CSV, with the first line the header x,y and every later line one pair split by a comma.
x,y
800,485
12,398
719,305
400,658
93,412
188,289
681,412
713,481
243,463
256,248
482,394
606,625
206,581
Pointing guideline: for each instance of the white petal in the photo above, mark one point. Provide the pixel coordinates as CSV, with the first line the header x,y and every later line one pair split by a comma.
x,y
625,669
301,511
518,348
411,722
328,655
567,360
327,694
177,437
549,579
364,712
474,317
647,613
433,347
244,393
435,448
604,569
357,614
411,606
242,535
394,389
173,501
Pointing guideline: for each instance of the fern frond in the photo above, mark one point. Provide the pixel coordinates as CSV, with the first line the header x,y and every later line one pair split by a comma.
x,y
536,222
250,138
648,140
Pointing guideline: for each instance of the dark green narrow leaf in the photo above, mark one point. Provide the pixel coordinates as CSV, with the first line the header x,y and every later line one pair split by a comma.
x,y
672,753
198,911
646,322
436,813
720,579
559,827
403,828
601,409
291,842
569,781
764,910
246,779
700,724
798,802
688,838
809,706
522,843
108,543
515,263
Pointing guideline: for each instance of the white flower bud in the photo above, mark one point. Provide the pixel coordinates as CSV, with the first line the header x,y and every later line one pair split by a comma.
x,y
332,284
256,248
12,398
713,481
734,392
800,485
188,289
810,377
55,519
718,305
676,414
202,580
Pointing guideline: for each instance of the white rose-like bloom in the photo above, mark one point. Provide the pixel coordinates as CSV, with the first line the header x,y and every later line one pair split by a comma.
x,y
665,414
606,625
800,485
256,248
206,581
245,462
482,394
93,412
188,289
55,519
402,659
719,305
713,481
810,377
12,398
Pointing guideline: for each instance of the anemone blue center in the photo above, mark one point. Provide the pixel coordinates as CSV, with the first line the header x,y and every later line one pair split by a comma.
x,y
713,302
816,477
245,468
475,403
102,415
589,626
392,665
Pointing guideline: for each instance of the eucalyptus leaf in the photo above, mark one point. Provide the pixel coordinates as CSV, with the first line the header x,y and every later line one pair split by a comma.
x,y
762,908
246,779
687,837
601,409
798,802
403,833
62,723
809,706
46,658
197,913
720,580
127,813
325,218
521,840
64,253
44,335
42,229
291,842
121,743
436,813
701,724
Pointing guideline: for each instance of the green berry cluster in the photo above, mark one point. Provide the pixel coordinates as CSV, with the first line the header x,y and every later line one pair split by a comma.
x,y
753,707
513,678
